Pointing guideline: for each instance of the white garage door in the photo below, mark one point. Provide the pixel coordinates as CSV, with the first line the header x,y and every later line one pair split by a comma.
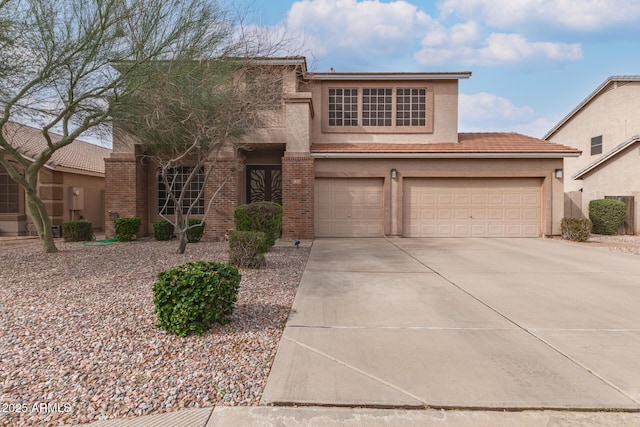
x,y
472,207
348,207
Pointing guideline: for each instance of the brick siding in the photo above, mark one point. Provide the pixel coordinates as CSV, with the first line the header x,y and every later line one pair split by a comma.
x,y
297,197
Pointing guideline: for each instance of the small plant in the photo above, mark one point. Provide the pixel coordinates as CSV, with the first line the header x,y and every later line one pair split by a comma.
x,y
77,231
607,215
260,216
195,231
193,296
247,248
162,230
576,229
126,228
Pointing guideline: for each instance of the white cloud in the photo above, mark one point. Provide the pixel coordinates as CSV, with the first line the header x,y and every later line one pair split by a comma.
x,y
583,15
493,50
487,106
487,112
351,26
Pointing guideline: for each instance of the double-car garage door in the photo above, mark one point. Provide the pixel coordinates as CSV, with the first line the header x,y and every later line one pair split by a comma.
x,y
432,207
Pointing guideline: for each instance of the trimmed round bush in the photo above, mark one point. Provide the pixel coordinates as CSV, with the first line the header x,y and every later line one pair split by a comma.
x,y
162,230
195,231
247,248
260,216
193,296
126,228
77,231
607,215
576,229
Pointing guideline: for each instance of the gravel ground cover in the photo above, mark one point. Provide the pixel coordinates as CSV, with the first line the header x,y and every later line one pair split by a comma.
x,y
79,340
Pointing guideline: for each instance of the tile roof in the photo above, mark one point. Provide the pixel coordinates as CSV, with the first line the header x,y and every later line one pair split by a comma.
x,y
469,143
78,155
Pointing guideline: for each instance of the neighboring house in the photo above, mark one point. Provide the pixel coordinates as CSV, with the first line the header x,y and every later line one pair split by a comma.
x,y
605,127
71,184
371,155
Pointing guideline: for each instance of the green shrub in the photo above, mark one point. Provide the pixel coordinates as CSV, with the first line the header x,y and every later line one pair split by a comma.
x,y
193,296
247,248
195,234
162,230
576,229
126,228
607,215
77,231
260,216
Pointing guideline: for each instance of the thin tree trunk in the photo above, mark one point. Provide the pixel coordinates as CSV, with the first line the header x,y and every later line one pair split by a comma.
x,y
183,242
40,218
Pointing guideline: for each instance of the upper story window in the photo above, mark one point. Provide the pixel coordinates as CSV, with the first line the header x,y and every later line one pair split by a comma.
x,y
343,107
596,145
364,107
9,193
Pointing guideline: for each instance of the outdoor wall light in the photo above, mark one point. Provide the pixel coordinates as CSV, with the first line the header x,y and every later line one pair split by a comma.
x,y
394,173
559,173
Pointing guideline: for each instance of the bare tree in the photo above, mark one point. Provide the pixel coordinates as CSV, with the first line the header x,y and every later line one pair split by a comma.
x,y
188,115
56,63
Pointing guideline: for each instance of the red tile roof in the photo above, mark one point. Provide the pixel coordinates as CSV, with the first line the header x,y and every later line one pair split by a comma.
x,y
79,155
487,143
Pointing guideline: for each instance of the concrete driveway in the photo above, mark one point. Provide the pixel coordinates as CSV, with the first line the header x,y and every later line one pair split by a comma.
x,y
462,323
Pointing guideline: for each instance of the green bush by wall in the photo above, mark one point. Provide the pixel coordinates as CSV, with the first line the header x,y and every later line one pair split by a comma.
x,y
162,230
260,216
77,231
126,228
607,215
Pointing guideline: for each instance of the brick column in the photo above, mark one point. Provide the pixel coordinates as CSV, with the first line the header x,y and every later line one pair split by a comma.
x,y
220,218
297,196
126,190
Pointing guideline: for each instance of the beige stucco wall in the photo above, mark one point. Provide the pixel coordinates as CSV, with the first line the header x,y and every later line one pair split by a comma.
x,y
617,177
445,115
614,114
552,188
93,191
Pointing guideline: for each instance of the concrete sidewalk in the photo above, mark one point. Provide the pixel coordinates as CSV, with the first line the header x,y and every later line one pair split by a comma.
x,y
509,324
345,417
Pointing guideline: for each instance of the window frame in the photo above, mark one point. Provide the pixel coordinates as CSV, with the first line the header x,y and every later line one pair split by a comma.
x,y
199,209
596,145
394,128
9,194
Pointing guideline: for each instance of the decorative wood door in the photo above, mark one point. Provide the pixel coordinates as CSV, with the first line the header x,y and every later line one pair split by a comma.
x,y
264,184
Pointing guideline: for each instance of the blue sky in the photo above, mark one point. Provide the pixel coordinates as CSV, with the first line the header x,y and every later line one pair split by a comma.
x,y
532,61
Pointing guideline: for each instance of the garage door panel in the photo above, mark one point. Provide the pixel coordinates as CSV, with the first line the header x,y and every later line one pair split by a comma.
x,y
475,207
349,207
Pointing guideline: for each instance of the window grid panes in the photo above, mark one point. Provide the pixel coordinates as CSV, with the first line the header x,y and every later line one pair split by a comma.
x,y
9,194
343,107
596,145
177,178
411,107
376,107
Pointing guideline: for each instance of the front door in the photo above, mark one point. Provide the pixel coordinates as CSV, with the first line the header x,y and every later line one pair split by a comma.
x,y
264,184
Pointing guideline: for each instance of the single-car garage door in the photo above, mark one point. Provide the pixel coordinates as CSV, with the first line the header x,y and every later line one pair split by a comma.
x,y
472,207
348,207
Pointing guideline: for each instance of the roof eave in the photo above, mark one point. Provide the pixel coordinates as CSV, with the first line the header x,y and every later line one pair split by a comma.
x,y
530,155
333,76
605,158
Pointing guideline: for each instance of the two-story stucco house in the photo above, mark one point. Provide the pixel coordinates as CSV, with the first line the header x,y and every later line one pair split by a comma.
x,y
371,155
605,127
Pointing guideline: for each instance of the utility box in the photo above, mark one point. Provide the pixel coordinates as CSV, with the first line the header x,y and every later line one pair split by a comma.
x,y
56,230
76,198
